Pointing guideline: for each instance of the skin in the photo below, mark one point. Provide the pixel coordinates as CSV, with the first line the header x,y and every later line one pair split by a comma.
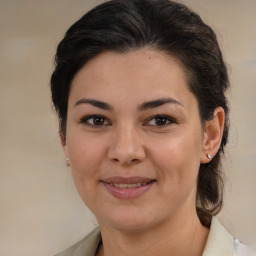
x,y
129,140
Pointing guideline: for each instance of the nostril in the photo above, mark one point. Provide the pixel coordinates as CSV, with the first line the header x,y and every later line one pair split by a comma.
x,y
125,154
127,161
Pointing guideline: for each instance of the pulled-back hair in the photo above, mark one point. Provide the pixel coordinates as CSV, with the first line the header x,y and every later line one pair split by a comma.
x,y
126,25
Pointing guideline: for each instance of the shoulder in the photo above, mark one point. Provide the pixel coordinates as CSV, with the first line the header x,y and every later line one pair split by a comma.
x,y
87,246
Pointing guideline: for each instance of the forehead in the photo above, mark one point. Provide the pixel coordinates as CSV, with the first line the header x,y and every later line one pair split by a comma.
x,y
143,73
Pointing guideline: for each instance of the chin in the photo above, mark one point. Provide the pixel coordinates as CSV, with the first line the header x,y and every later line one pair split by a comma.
x,y
129,222
132,226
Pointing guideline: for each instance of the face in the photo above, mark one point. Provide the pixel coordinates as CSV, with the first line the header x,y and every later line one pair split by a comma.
x,y
134,139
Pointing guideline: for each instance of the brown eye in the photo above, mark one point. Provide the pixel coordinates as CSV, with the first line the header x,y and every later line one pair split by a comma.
x,y
98,120
95,120
160,120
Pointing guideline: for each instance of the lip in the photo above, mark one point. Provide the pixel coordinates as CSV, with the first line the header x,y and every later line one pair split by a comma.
x,y
130,192
126,180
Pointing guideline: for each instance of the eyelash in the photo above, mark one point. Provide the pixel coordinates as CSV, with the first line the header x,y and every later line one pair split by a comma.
x,y
85,120
166,118
167,121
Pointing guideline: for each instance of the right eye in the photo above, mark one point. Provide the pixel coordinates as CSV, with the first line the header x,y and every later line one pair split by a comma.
x,y
95,121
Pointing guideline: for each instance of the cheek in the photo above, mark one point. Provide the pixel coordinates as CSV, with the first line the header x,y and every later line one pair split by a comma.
x,y
86,155
177,156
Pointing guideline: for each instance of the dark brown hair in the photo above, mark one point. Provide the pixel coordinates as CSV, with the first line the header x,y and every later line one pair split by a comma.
x,y
122,26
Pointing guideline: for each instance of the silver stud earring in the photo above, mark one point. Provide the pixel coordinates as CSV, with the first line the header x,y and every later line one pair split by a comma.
x,y
67,162
208,156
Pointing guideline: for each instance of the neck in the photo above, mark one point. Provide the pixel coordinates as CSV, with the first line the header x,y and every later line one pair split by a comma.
x,y
179,236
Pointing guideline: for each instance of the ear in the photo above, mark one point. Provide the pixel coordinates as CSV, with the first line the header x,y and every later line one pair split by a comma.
x,y
213,134
63,143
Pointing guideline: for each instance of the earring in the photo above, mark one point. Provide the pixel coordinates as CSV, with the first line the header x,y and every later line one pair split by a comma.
x,y
208,156
67,162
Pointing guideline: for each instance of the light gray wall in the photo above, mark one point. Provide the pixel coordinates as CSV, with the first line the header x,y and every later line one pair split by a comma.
x,y
41,212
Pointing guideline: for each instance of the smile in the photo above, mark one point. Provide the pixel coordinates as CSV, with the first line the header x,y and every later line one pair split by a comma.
x,y
128,188
135,185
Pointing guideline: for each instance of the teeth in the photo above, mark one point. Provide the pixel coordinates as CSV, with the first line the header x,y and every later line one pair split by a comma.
x,y
128,185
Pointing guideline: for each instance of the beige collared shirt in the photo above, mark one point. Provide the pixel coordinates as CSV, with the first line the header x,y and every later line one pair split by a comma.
x,y
219,243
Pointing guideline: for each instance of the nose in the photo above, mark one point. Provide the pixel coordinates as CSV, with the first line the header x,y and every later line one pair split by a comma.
x,y
126,147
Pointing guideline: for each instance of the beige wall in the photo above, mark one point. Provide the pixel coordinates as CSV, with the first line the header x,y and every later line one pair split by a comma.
x,y
41,212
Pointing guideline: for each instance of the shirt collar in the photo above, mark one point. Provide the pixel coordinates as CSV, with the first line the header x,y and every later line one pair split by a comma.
x,y
219,241
90,244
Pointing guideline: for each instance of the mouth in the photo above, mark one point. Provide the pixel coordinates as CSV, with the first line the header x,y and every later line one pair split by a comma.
x,y
128,188
135,185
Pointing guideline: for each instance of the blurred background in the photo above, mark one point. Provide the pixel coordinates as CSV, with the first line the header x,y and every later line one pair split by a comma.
x,y
40,210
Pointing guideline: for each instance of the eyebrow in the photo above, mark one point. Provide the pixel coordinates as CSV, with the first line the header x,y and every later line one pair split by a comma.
x,y
157,103
96,103
144,106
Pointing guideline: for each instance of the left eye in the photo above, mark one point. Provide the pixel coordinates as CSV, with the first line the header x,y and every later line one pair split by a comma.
x,y
160,120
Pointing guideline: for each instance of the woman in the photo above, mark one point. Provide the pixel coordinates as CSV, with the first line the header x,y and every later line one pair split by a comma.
x,y
139,87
